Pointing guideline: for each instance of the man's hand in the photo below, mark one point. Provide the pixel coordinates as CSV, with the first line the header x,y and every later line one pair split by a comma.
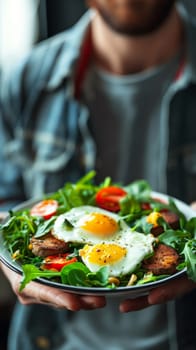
x,y
36,293
162,294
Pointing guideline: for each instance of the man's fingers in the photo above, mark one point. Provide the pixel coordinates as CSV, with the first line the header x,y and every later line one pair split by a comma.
x,y
171,290
40,294
36,293
162,294
93,302
134,304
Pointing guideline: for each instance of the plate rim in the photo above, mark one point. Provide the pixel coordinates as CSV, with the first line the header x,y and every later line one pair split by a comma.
x,y
132,291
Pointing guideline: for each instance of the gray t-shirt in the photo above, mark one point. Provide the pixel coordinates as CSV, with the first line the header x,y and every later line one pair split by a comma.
x,y
125,116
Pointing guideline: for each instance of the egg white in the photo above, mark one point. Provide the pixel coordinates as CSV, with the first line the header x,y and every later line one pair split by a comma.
x,y
136,249
77,216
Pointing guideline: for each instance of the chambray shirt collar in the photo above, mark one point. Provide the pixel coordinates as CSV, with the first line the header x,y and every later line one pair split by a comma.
x,y
74,38
70,52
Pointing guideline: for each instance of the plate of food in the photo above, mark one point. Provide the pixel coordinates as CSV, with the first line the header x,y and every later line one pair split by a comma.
x,y
106,239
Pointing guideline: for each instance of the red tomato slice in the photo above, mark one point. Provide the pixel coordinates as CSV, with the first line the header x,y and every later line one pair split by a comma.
x,y
45,208
57,262
109,197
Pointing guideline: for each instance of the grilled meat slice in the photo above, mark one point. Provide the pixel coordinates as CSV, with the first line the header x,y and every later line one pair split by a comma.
x,y
164,260
48,245
171,218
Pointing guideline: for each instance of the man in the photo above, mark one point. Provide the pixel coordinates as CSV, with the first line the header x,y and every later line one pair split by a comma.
x,y
115,93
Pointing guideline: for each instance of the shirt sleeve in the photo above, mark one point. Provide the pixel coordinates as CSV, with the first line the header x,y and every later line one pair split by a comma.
x,y
11,187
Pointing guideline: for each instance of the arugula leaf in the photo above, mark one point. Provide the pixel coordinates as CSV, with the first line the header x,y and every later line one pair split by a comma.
x,y
107,182
175,239
77,277
73,196
68,225
129,205
6,226
44,227
191,226
31,272
77,274
77,266
17,232
139,189
99,278
142,225
86,178
190,258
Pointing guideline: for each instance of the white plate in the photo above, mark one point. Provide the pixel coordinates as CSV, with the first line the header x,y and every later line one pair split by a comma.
x,y
130,291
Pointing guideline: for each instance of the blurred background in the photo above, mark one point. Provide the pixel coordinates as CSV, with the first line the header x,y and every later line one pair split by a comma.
x,y
24,23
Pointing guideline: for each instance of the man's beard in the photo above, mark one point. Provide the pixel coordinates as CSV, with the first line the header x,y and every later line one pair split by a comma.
x,y
150,22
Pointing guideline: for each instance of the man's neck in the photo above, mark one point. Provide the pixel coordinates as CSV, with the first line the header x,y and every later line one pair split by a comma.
x,y
125,55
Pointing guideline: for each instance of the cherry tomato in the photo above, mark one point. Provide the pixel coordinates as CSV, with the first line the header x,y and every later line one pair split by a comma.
x,y
109,198
57,262
45,208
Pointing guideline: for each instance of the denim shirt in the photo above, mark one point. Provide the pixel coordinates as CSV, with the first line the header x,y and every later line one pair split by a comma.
x,y
44,134
45,137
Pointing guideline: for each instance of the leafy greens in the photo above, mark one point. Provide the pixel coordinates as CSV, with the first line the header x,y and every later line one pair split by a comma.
x,y
20,227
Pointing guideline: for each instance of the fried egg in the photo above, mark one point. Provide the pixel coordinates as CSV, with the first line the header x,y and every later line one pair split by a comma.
x,y
92,225
121,259
107,239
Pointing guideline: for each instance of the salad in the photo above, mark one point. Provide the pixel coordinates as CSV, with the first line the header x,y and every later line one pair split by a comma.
x,y
105,235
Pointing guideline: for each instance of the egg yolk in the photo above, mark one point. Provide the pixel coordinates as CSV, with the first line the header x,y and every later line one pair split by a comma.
x,y
103,254
99,224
